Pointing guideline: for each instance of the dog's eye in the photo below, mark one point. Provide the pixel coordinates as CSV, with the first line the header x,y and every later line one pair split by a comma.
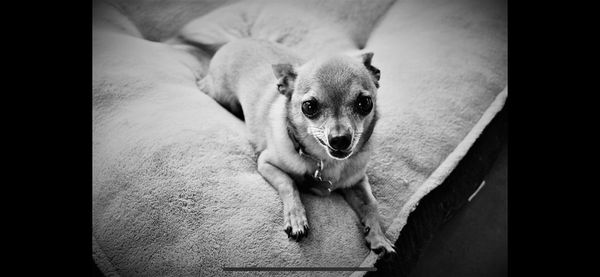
x,y
364,104
310,107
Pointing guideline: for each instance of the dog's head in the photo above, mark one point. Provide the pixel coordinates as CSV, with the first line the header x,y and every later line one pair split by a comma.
x,y
331,102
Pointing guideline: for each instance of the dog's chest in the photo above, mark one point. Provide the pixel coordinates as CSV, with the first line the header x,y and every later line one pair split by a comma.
x,y
332,172
322,176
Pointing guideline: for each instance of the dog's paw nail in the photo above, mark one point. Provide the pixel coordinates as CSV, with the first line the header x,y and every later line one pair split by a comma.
x,y
305,231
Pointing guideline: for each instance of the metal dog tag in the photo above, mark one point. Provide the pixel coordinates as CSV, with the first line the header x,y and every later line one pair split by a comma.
x,y
319,178
317,184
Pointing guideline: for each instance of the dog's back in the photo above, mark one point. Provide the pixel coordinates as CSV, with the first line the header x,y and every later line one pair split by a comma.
x,y
241,76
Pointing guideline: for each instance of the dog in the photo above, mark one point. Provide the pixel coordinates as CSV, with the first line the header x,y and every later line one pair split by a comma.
x,y
309,123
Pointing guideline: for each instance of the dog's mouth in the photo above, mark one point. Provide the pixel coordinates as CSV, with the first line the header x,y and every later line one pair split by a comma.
x,y
335,154
340,155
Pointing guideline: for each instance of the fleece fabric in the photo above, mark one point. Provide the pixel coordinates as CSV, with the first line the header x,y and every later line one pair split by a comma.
x,y
175,186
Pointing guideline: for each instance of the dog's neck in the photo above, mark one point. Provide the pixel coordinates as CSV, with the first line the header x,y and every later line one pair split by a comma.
x,y
298,146
316,176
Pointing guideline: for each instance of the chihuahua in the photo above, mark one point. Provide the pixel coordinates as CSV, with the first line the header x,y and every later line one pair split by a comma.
x,y
309,123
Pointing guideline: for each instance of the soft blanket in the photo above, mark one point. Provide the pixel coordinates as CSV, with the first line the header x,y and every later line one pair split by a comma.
x,y
175,186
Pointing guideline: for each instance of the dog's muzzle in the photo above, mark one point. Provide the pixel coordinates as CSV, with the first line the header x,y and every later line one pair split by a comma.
x,y
340,143
339,146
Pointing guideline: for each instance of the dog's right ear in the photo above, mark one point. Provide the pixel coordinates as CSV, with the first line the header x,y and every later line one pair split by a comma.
x,y
286,75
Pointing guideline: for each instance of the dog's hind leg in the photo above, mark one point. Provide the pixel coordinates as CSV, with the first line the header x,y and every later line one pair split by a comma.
x,y
227,99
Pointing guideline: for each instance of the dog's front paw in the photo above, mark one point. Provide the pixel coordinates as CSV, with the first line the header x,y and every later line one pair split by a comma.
x,y
295,223
378,242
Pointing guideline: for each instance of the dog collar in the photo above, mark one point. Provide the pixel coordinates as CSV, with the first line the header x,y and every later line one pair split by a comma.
x,y
317,175
297,145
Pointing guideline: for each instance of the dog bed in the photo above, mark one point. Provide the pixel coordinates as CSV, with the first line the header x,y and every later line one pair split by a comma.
x,y
175,187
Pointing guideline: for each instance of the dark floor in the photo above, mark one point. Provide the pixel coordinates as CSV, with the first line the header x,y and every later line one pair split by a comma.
x,y
474,241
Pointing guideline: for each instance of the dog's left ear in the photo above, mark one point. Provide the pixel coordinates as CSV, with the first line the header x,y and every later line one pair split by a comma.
x,y
375,72
286,75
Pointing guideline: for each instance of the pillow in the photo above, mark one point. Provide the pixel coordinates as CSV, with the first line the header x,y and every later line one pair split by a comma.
x,y
175,185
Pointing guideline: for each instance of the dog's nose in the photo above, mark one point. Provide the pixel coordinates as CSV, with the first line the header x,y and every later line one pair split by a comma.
x,y
340,142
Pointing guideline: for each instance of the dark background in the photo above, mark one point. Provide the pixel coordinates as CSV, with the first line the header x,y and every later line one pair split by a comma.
x,y
474,242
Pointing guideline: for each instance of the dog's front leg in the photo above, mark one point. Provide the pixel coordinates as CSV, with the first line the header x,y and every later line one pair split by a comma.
x,y
295,223
364,204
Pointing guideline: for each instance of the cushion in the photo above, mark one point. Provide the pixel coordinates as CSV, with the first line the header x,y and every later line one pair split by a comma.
x,y
175,185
